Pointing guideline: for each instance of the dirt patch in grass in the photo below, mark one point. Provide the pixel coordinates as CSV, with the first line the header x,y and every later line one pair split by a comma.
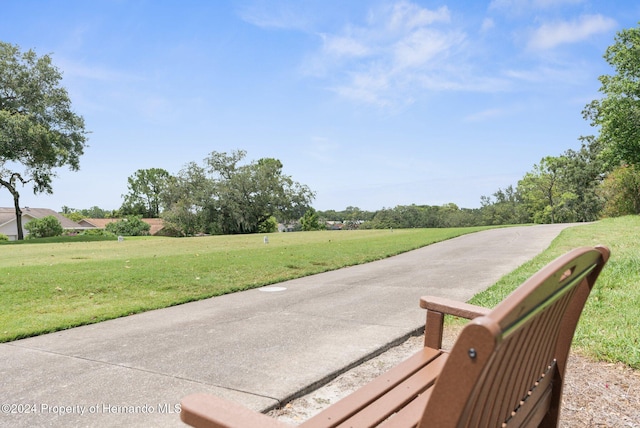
x,y
596,394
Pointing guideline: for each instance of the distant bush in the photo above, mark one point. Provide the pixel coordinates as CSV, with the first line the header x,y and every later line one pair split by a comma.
x,y
268,226
311,221
129,226
44,227
3,237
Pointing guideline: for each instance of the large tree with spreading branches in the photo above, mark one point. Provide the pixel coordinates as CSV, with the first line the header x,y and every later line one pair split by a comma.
x,y
39,132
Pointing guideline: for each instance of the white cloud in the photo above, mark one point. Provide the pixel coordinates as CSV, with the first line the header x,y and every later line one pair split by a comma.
x,y
519,6
487,24
550,35
367,87
422,46
407,16
345,46
567,74
275,14
543,4
401,51
398,47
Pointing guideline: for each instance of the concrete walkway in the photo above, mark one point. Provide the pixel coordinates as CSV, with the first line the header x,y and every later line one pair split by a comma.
x,y
260,347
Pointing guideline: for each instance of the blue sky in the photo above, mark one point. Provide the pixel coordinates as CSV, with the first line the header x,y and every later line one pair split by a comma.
x,y
370,103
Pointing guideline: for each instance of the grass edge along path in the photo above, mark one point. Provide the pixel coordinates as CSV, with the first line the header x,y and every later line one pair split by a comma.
x,y
608,328
50,287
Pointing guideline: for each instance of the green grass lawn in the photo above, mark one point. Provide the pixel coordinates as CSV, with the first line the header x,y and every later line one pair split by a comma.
x,y
53,286
609,329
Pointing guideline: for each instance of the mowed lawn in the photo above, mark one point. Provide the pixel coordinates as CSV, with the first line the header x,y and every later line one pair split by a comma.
x,y
48,287
609,328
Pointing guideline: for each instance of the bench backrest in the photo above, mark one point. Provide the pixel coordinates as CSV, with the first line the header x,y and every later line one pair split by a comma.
x,y
506,369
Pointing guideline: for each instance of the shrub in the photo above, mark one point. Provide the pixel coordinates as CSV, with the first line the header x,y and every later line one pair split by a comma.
x,y
621,191
129,226
268,226
44,227
310,220
3,237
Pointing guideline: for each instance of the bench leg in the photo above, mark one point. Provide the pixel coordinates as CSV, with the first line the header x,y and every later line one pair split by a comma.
x,y
433,330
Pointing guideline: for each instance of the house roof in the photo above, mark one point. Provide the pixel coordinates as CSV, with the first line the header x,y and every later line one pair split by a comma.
x,y
100,223
155,223
8,215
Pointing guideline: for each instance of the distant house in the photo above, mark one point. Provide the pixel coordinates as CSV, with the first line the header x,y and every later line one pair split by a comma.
x,y
100,223
334,225
96,223
9,227
289,227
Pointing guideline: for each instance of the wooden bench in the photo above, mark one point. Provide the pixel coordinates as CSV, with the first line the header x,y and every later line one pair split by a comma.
x,y
505,369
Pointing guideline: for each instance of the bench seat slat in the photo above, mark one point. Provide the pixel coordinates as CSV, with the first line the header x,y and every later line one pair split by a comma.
x,y
394,400
410,415
363,397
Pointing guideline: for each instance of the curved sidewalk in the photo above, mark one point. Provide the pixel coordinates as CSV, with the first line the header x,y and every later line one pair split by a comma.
x,y
260,347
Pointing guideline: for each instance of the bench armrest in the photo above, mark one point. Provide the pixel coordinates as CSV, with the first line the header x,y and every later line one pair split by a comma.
x,y
437,308
207,411
452,307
